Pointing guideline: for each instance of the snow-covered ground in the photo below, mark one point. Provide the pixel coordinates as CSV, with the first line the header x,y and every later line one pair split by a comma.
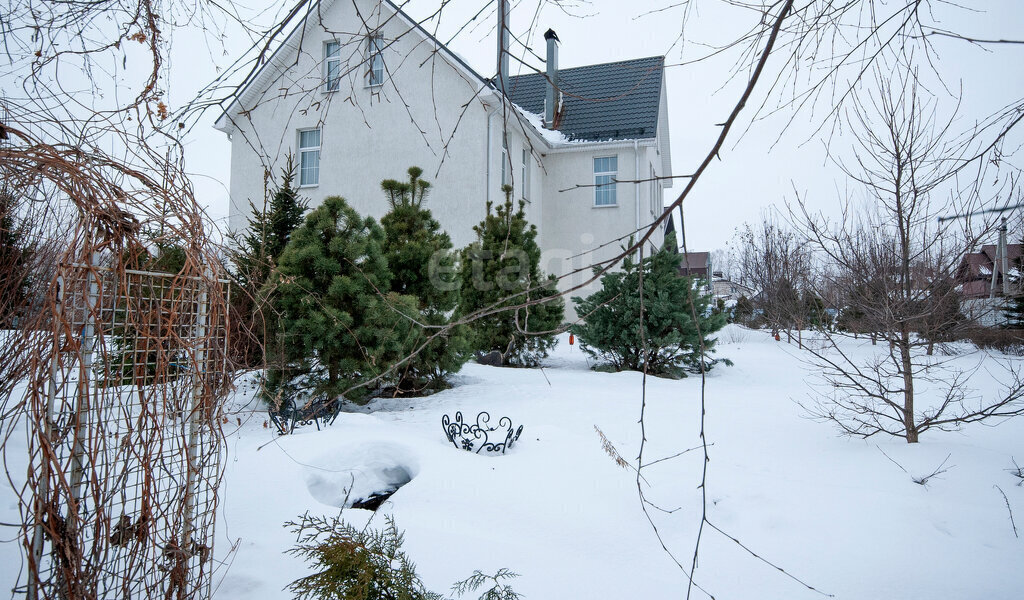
x,y
832,511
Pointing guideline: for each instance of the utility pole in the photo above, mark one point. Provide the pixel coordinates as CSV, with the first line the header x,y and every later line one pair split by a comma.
x,y
1000,264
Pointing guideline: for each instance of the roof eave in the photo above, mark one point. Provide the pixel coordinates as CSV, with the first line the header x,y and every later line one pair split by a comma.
x,y
583,146
224,124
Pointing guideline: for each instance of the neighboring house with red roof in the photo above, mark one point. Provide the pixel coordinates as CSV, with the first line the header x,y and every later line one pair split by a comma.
x,y
977,268
697,264
975,278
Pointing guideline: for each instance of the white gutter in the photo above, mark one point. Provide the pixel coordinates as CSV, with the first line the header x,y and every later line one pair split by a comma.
x,y
487,154
590,146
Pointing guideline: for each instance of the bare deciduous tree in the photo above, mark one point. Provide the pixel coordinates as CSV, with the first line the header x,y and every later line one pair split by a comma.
x,y
897,264
774,261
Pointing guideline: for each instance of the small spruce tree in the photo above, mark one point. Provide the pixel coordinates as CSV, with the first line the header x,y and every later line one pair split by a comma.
x,y
815,315
500,270
852,319
268,230
743,312
422,264
339,325
670,344
1013,310
258,247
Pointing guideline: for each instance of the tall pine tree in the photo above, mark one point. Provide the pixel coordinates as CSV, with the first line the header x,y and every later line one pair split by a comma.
x,y
500,270
422,262
339,327
669,344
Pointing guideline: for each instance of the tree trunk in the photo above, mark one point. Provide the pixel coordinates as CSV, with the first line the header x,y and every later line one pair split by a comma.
x,y
332,377
906,366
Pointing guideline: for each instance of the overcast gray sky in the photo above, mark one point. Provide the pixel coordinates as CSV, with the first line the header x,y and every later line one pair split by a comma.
x,y
762,164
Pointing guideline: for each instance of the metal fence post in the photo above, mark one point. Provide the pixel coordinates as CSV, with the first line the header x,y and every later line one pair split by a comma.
x,y
83,404
198,393
42,492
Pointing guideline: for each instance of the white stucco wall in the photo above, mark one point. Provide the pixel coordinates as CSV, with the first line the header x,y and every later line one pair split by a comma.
x,y
518,141
578,233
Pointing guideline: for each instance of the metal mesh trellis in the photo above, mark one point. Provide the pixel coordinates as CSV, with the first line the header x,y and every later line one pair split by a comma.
x,y
124,435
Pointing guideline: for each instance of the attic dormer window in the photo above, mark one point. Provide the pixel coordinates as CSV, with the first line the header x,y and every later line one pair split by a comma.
x,y
375,60
332,66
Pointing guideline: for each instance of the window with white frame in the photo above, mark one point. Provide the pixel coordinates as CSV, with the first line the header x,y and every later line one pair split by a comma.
x,y
309,157
332,66
375,60
605,171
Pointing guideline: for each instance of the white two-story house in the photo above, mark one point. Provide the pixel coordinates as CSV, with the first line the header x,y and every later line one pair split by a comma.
x,y
359,91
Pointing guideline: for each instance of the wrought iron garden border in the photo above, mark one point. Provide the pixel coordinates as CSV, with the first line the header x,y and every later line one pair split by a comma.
x,y
476,437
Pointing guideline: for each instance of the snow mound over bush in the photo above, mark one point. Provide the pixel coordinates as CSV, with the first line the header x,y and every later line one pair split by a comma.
x,y
356,472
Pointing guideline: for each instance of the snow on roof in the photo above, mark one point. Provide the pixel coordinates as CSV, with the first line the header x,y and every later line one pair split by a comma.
x,y
551,136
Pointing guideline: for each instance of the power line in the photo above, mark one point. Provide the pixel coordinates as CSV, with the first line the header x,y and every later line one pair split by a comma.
x,y
981,212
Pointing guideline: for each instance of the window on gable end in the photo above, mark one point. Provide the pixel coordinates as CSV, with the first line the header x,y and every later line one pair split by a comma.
x,y
309,157
374,60
332,66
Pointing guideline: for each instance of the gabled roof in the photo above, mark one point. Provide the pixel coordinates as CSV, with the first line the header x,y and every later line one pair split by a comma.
x,y
696,260
605,102
980,264
1013,251
279,58
611,101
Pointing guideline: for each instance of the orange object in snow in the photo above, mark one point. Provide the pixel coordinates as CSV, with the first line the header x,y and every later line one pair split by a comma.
x,y
572,339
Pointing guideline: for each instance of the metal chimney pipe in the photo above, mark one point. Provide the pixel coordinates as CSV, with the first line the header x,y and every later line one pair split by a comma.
x,y
503,41
551,99
1000,264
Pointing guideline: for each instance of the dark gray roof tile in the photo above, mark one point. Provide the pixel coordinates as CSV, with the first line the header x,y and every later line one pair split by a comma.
x,y
612,101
